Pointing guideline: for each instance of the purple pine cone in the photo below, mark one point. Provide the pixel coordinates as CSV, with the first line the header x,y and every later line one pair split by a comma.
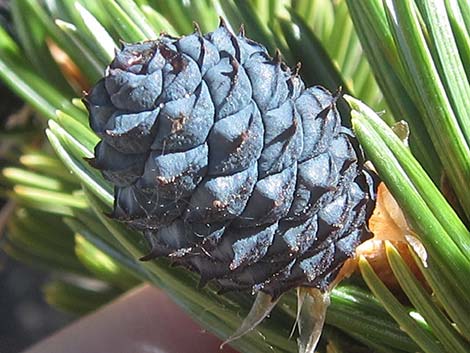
x,y
228,165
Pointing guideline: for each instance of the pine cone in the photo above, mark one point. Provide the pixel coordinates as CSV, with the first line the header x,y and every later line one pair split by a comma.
x,y
227,164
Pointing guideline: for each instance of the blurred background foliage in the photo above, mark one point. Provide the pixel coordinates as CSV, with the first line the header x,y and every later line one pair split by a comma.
x,y
402,60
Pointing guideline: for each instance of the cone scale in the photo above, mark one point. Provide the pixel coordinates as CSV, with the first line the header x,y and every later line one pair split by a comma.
x,y
228,165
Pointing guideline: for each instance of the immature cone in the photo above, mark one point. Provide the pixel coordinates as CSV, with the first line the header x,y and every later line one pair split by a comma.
x,y
227,164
